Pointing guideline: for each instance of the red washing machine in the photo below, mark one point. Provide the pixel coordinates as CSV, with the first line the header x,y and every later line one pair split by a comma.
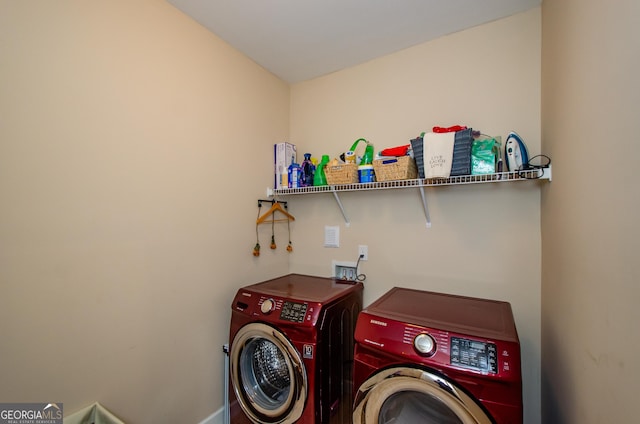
x,y
424,357
291,350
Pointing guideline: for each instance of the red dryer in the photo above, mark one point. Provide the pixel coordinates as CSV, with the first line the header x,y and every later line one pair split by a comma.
x,y
291,350
424,357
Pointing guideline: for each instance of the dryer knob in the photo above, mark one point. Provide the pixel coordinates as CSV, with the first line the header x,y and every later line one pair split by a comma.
x,y
267,306
424,344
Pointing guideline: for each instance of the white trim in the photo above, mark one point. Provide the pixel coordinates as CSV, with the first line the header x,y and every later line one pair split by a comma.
x,y
215,418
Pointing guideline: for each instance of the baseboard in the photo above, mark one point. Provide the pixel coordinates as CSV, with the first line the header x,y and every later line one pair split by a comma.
x,y
215,418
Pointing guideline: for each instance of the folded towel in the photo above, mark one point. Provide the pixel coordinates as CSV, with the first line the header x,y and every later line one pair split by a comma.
x,y
438,154
417,153
461,162
395,151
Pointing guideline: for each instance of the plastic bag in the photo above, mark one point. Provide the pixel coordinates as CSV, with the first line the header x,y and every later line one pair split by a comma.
x,y
485,154
93,414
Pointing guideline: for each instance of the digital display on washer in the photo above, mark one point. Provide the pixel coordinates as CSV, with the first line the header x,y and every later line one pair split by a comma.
x,y
474,355
294,312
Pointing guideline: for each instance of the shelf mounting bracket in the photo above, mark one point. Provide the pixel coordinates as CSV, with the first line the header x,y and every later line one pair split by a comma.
x,y
425,207
347,223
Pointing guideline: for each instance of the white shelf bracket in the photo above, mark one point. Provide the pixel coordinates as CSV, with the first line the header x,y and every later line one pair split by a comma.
x,y
547,172
347,223
426,208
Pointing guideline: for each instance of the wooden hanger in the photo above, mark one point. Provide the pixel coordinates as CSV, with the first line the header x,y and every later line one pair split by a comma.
x,y
275,207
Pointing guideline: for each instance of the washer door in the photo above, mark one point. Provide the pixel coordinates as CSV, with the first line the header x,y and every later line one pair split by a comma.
x,y
268,375
405,395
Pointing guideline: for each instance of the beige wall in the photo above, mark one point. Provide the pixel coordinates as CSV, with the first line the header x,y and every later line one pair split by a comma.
x,y
132,152
124,234
590,290
485,239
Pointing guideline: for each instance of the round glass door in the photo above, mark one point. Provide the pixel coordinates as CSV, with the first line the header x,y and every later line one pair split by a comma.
x,y
404,395
409,407
268,375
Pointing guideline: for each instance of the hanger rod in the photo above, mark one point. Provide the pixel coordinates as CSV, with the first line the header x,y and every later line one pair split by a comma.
x,y
272,201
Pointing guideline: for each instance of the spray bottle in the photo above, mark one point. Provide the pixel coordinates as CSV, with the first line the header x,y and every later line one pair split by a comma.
x,y
365,169
320,178
293,174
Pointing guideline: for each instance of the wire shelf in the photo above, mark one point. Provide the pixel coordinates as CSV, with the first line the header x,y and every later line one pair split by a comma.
x,y
500,177
420,183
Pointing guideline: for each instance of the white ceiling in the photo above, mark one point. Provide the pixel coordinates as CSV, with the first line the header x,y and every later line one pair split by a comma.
x,y
299,40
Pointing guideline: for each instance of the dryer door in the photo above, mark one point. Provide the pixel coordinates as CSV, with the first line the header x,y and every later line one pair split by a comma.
x,y
405,395
268,375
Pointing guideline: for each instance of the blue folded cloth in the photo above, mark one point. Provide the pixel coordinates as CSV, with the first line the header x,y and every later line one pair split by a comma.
x,y
461,162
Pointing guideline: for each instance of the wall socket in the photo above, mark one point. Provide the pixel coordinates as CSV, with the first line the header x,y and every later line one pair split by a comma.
x,y
363,252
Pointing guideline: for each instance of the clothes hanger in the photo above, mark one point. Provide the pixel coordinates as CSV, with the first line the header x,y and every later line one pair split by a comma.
x,y
275,207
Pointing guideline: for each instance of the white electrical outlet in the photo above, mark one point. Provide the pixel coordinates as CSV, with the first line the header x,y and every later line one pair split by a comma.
x,y
363,252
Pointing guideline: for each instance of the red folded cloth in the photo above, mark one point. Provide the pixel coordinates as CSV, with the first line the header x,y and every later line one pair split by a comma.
x,y
395,151
454,128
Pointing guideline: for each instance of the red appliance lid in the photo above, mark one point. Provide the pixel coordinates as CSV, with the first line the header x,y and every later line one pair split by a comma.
x,y
466,315
305,288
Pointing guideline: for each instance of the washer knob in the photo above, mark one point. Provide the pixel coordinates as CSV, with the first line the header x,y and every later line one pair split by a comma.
x,y
424,344
267,306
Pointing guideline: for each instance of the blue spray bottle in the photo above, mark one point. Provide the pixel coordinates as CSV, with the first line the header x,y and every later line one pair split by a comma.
x,y
293,174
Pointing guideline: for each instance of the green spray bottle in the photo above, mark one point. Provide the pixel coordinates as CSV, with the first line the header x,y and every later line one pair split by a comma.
x,y
320,178
367,157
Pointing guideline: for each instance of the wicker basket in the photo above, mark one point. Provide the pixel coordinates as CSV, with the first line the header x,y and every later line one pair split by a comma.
x,y
401,168
344,173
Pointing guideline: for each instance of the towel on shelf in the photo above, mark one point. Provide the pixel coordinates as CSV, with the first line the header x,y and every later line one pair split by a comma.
x,y
438,154
417,151
461,161
395,151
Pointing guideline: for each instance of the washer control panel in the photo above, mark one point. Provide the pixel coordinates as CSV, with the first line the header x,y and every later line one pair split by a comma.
x,y
267,306
474,355
277,309
293,311
424,344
